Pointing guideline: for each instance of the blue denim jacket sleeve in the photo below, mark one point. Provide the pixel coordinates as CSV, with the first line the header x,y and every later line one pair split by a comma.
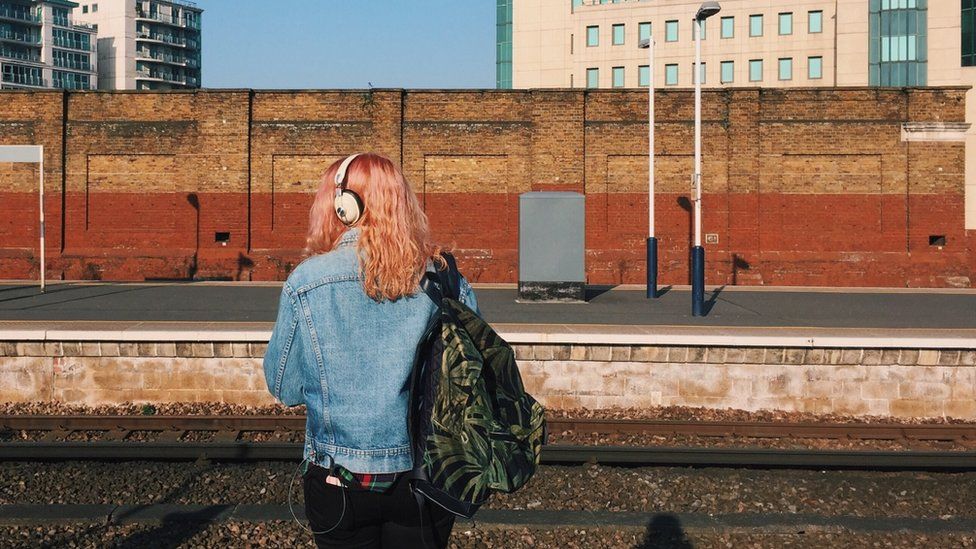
x,y
466,295
282,361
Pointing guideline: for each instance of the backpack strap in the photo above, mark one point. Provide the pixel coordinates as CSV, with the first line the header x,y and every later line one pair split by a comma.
x,y
440,284
450,277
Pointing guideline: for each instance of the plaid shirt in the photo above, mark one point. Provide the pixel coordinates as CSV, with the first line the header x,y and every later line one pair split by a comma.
x,y
367,481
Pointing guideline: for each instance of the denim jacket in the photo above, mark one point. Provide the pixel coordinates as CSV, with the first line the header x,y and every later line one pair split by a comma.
x,y
348,358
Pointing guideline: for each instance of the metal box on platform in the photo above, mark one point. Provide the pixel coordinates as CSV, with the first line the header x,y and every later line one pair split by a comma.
x,y
552,246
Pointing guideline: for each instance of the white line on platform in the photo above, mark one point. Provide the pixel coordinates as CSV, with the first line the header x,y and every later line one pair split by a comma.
x,y
580,334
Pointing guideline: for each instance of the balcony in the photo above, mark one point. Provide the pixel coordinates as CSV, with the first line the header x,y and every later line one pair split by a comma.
x,y
25,80
75,65
168,39
167,77
179,60
19,55
19,15
176,21
7,34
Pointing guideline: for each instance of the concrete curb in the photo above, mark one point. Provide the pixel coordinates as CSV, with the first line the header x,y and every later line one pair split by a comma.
x,y
532,334
19,515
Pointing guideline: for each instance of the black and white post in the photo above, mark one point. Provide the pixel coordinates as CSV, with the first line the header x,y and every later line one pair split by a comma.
x,y
651,239
706,10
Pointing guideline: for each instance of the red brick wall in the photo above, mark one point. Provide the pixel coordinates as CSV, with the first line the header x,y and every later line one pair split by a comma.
x,y
802,186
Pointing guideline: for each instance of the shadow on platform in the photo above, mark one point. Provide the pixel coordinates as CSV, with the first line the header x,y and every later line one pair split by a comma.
x,y
664,531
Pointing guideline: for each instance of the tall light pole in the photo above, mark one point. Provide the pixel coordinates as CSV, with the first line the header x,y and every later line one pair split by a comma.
x,y
651,239
706,10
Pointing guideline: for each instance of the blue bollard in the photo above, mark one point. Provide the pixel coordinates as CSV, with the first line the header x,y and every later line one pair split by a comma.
x,y
651,267
697,281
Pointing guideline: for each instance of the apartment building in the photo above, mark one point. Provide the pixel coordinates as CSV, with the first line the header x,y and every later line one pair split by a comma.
x,y
146,44
42,47
749,43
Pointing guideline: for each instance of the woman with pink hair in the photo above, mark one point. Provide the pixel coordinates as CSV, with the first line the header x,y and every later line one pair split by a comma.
x,y
349,320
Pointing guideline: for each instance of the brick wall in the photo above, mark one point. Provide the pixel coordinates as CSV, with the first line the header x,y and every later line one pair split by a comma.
x,y
802,186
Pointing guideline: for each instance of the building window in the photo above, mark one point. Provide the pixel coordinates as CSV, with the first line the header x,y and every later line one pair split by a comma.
x,y
755,70
728,72
701,71
671,75
592,78
671,31
704,28
897,47
643,32
968,33
503,43
644,76
786,68
618,77
94,8
786,23
815,22
592,36
815,68
84,9
756,25
618,35
728,27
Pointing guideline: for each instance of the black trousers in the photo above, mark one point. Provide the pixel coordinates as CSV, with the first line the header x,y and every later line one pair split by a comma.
x,y
360,518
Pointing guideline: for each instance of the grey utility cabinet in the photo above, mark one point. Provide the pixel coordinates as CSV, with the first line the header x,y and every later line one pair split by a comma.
x,y
552,247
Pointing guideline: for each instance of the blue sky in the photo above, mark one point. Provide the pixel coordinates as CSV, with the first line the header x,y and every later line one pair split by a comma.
x,y
348,44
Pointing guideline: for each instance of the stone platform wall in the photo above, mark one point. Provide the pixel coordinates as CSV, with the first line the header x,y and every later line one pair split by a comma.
x,y
902,383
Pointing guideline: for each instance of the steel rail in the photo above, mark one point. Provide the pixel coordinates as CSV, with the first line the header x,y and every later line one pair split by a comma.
x,y
863,431
551,454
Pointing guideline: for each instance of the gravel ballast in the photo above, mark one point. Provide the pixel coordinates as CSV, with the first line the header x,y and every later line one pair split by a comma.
x,y
464,536
594,487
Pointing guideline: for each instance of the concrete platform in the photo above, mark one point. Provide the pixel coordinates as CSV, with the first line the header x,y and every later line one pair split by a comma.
x,y
738,306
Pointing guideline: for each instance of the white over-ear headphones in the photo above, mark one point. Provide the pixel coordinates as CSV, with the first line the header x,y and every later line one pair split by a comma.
x,y
348,205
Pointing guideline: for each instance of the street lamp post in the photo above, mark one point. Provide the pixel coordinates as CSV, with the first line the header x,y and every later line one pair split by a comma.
x,y
651,239
706,10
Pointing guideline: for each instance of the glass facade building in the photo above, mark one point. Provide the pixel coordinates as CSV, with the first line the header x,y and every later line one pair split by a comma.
x,y
41,47
503,45
897,49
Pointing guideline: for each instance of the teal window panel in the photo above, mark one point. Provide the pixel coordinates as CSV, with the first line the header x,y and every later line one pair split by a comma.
x,y
592,78
671,75
815,22
592,36
644,76
786,68
727,72
643,32
815,68
671,31
756,25
728,27
785,23
704,28
755,70
618,77
618,35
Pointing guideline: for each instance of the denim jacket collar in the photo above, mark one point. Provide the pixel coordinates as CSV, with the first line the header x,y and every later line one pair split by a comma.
x,y
348,238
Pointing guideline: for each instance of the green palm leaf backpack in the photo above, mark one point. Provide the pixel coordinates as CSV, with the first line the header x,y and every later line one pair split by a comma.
x,y
474,429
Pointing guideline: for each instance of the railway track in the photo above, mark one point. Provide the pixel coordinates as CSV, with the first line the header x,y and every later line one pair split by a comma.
x,y
278,437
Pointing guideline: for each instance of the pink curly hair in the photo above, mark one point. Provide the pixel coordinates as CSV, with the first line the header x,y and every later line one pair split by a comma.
x,y
394,244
